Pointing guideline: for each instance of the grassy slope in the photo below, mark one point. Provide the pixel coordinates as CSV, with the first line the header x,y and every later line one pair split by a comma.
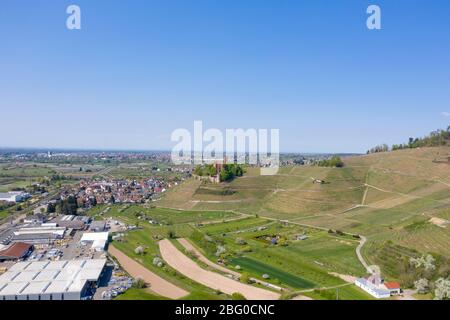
x,y
407,188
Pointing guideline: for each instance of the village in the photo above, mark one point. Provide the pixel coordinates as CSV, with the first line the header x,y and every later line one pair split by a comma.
x,y
95,191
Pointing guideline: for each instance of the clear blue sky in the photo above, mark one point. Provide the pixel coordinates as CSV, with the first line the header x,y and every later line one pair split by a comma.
x,y
140,69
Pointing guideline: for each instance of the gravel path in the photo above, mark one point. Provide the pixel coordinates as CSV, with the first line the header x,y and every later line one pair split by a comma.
x,y
136,270
189,247
180,262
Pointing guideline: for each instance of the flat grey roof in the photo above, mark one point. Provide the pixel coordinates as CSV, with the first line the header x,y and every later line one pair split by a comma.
x,y
45,277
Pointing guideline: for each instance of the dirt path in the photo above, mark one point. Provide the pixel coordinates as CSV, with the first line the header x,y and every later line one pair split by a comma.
x,y
188,246
358,252
190,269
157,284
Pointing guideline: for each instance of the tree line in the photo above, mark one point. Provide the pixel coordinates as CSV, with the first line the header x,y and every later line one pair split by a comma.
x,y
434,139
335,161
227,173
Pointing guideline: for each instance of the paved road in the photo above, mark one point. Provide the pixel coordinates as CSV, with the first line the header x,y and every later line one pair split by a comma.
x,y
157,284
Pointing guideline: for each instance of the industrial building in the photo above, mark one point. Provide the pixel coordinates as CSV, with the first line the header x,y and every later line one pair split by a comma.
x,y
14,196
15,251
51,280
72,222
98,226
98,240
44,234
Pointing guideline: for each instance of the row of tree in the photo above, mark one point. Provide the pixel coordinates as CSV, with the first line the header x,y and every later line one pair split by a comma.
x,y
205,170
434,139
335,161
68,206
228,171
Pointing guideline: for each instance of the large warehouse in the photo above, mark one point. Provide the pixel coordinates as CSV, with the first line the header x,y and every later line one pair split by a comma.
x,y
50,280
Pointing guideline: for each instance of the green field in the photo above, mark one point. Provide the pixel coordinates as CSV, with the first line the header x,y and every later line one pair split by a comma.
x,y
252,266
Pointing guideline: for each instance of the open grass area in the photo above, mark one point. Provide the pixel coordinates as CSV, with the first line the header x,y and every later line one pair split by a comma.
x,y
350,292
295,264
141,214
138,294
279,276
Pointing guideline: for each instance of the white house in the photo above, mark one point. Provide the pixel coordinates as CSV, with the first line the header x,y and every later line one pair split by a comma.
x,y
372,289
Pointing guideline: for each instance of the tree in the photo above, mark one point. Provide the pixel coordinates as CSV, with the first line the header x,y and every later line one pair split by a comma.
x,y
68,206
422,286
442,289
171,234
335,161
51,208
139,250
139,283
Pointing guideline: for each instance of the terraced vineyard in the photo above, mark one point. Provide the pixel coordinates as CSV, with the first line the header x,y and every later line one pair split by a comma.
x,y
401,196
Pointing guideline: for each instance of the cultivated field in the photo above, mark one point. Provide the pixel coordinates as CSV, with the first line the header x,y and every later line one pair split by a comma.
x,y
297,236
386,197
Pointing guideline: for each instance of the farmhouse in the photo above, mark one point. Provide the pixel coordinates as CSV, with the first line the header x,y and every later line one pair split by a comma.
x,y
376,287
393,287
51,280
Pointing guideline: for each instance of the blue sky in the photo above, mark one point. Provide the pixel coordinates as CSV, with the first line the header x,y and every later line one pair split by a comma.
x,y
140,69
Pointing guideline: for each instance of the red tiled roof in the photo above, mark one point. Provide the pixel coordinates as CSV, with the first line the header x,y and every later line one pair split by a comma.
x,y
16,250
392,285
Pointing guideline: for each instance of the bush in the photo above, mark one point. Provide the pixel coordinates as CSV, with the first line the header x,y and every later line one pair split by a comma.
x,y
171,234
139,250
139,283
245,278
157,261
237,296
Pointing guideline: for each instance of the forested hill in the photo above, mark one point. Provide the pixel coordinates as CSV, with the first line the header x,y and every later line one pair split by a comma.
x,y
434,139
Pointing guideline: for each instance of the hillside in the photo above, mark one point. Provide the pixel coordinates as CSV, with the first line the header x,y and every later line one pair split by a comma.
x,y
401,196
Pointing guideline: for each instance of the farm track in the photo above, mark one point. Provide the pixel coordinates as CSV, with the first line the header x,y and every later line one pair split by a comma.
x,y
180,262
189,247
136,270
